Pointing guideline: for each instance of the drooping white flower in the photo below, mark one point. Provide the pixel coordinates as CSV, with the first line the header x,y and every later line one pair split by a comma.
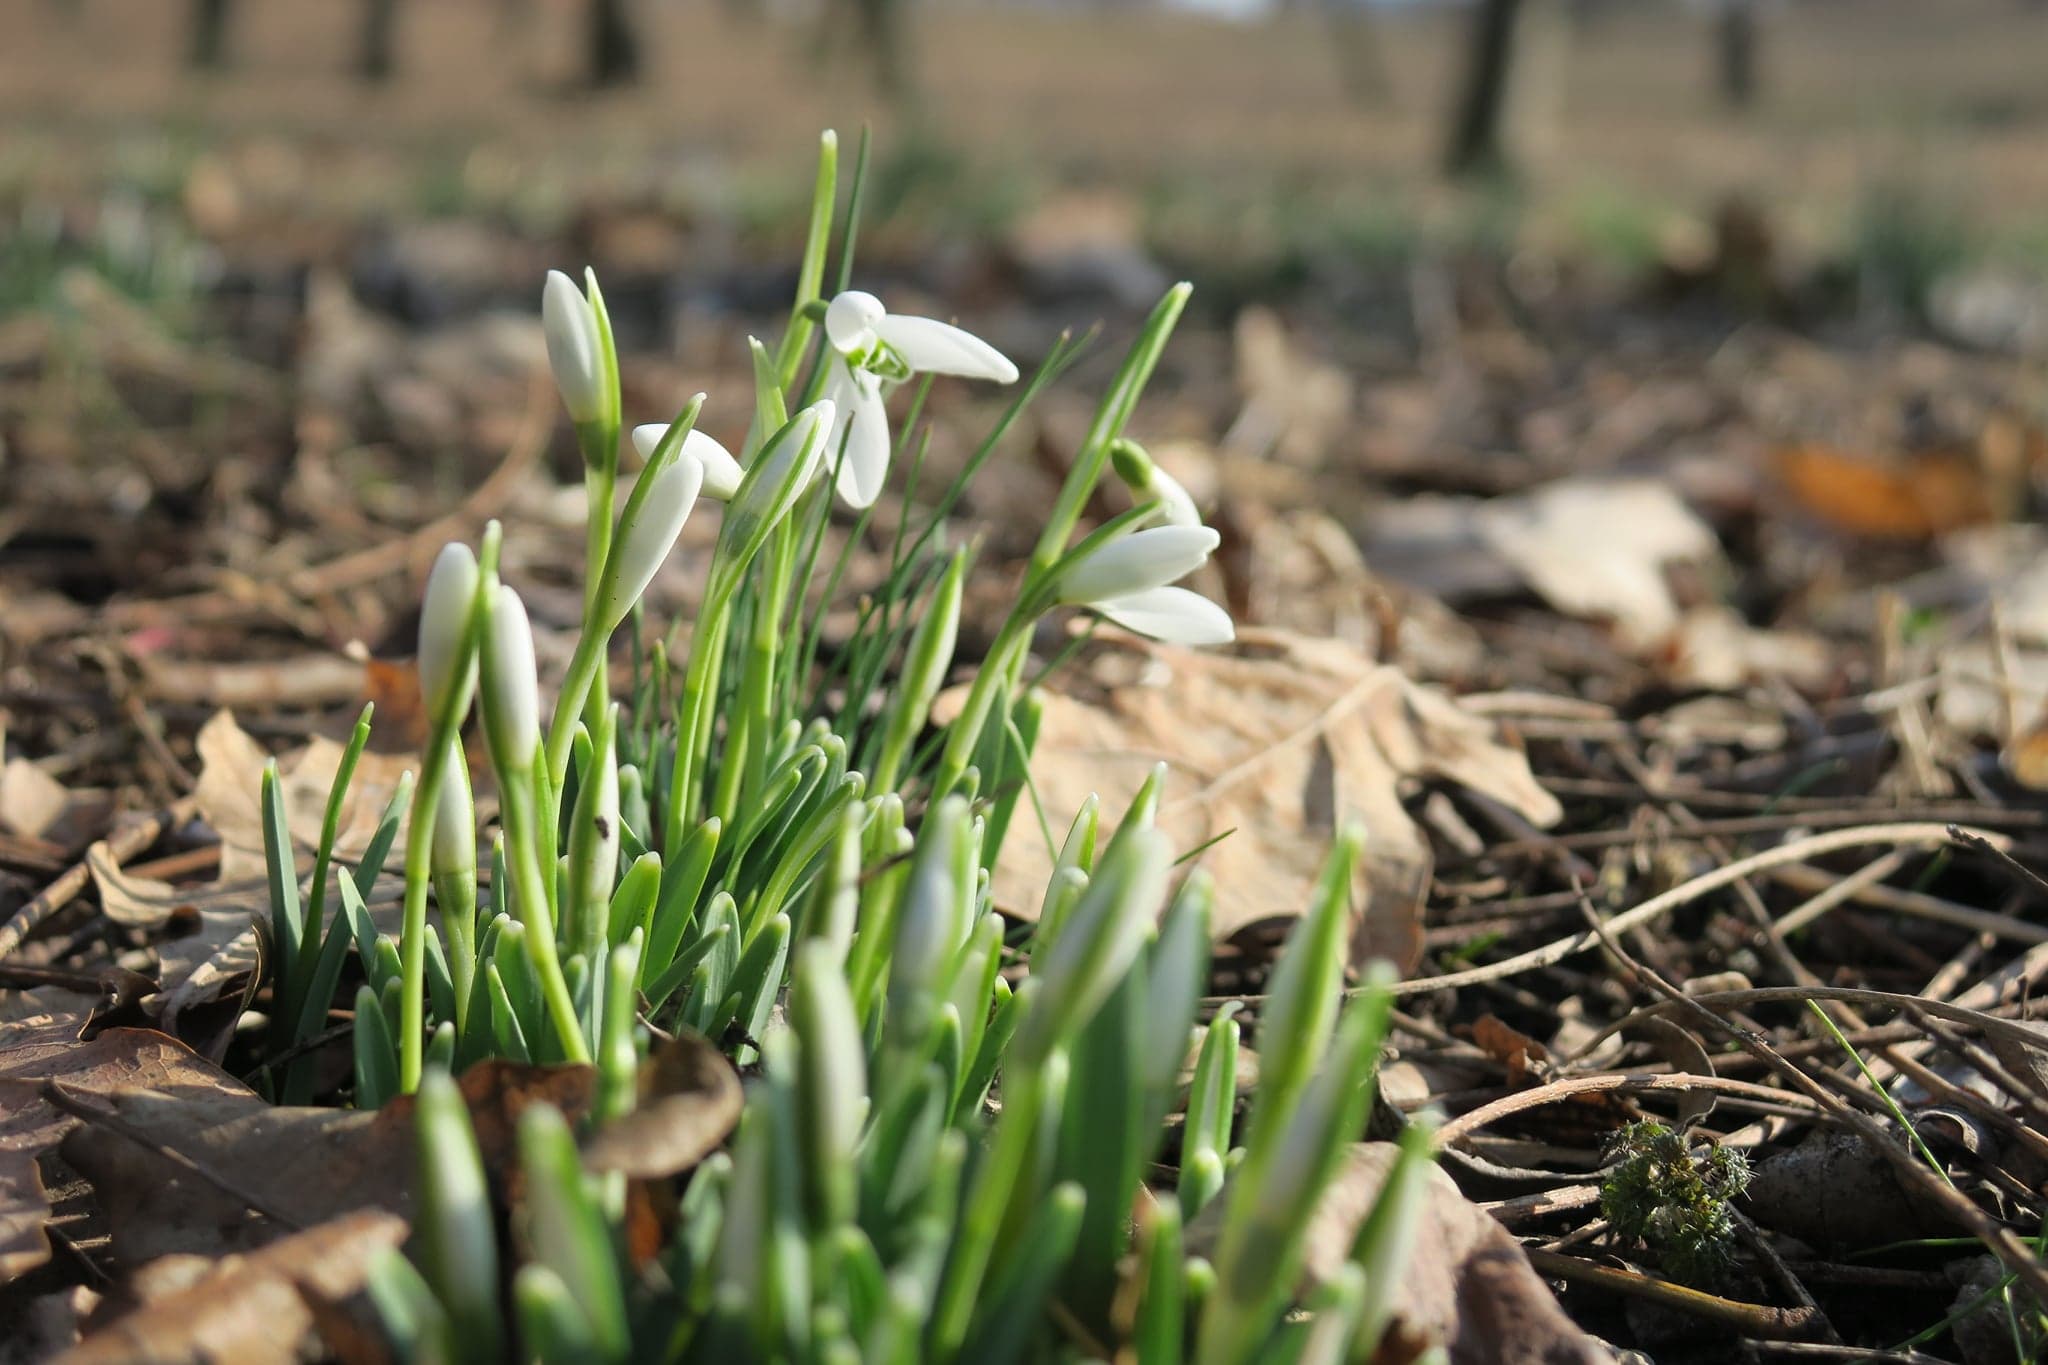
x,y
872,348
1127,581
511,682
575,351
722,473
645,542
444,619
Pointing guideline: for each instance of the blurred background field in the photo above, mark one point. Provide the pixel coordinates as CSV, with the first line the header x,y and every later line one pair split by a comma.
x,y
1248,141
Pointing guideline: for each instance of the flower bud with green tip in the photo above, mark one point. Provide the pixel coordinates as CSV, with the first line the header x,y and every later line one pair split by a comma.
x,y
452,1223
832,1083
567,1228
1101,936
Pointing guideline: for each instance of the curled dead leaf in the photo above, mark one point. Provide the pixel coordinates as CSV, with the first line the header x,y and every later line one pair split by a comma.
x,y
689,1101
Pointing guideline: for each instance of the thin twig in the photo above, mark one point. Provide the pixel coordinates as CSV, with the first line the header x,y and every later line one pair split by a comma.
x,y
1750,1319
1798,850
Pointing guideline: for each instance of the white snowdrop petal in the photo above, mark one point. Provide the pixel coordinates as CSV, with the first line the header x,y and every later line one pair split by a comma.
x,y
1140,560
864,463
722,473
646,543
1178,508
444,614
574,352
1174,615
935,347
850,321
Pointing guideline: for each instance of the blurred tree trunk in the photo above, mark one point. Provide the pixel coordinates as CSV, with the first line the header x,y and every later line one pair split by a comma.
x,y
882,33
376,56
614,44
1355,40
1477,144
209,47
1735,40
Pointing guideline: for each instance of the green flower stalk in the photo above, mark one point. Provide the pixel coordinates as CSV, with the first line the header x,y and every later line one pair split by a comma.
x,y
451,622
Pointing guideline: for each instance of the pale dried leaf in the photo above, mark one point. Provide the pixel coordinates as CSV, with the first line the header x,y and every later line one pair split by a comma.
x,y
1275,746
1598,548
31,801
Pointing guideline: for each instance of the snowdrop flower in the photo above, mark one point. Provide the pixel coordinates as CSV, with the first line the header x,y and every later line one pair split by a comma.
x,y
875,347
645,542
722,473
1126,581
575,351
511,683
444,619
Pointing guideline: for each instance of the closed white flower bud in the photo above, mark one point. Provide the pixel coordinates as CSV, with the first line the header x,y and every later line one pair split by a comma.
x,y
646,541
575,352
444,620
455,820
511,682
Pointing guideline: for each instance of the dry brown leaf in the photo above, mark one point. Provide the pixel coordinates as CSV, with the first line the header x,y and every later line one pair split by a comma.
x,y
1274,746
217,1174
1467,1286
32,1055
689,1101
1916,498
255,1309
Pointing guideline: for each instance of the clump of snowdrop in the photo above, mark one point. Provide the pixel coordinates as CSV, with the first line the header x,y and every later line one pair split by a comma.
x,y
766,842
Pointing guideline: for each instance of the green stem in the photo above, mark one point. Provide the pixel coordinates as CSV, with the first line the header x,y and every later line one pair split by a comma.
x,y
1005,659
412,936
530,903
569,706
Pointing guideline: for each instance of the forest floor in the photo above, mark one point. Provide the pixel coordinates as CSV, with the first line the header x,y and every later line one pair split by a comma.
x,y
1678,569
